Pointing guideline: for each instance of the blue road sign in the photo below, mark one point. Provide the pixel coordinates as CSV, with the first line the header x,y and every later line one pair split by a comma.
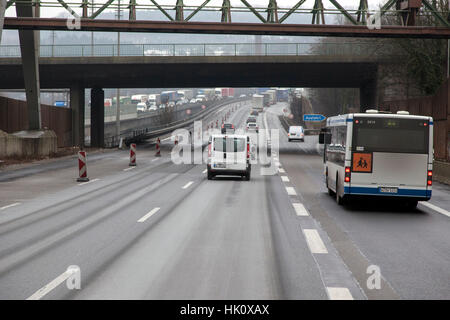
x,y
60,104
313,117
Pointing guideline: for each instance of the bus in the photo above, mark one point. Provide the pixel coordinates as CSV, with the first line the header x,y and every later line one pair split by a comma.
x,y
379,155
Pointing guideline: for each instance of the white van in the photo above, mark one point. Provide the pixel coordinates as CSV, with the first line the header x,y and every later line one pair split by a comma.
x,y
141,107
229,155
296,133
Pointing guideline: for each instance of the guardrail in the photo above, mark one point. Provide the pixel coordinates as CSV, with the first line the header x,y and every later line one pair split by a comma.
x,y
143,133
205,49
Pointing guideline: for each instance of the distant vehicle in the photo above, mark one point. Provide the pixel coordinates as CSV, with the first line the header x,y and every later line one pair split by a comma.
x,y
296,133
141,107
252,126
229,155
242,96
138,98
179,102
379,155
282,94
227,128
185,94
200,98
193,100
251,119
254,113
154,99
169,96
258,102
153,108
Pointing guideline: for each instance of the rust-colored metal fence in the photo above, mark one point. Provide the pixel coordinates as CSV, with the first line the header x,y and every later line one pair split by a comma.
x,y
436,106
14,117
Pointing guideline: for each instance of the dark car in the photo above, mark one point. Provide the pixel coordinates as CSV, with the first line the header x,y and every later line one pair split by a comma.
x,y
227,128
254,113
251,119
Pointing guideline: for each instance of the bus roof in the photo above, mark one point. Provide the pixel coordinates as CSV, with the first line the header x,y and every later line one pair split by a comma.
x,y
343,119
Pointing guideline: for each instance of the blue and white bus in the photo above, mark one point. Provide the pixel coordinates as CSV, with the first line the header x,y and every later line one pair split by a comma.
x,y
379,154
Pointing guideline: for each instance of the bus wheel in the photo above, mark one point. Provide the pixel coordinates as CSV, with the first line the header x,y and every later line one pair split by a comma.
x,y
330,192
339,199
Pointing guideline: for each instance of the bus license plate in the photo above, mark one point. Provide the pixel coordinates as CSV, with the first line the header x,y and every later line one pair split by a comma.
x,y
388,190
220,165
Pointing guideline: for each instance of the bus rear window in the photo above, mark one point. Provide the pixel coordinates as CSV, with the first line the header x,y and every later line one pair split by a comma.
x,y
390,135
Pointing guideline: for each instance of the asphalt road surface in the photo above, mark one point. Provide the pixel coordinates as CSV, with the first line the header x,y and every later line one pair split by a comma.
x,y
163,231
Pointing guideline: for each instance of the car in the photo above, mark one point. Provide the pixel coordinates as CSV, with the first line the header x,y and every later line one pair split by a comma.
x,y
141,107
229,155
251,119
227,128
296,133
153,107
254,113
193,100
252,126
242,96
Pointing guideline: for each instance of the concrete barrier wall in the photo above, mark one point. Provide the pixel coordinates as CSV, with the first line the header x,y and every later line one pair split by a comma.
x,y
28,144
14,117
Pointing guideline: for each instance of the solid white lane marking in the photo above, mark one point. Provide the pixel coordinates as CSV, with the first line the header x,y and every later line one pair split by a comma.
x,y
83,183
435,208
10,205
205,171
281,170
156,159
165,139
275,158
187,185
339,293
52,285
128,169
285,178
148,215
314,241
291,191
300,209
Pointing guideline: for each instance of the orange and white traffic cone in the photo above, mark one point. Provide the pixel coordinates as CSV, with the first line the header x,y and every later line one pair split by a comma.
x,y
132,155
158,148
82,167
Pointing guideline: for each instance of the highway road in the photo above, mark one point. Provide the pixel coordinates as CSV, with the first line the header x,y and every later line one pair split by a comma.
x,y
163,231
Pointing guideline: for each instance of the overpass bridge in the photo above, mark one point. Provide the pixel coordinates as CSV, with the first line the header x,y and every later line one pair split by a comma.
x,y
144,71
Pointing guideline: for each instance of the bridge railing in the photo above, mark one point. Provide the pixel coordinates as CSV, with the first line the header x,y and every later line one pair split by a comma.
x,y
205,49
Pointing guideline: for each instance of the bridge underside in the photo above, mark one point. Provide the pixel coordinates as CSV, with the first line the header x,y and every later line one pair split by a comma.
x,y
170,72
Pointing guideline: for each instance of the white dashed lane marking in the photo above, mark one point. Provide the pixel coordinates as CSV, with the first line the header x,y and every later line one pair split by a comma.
x,y
204,171
339,293
148,215
300,209
285,178
435,208
291,191
281,170
128,169
52,285
10,205
187,185
314,241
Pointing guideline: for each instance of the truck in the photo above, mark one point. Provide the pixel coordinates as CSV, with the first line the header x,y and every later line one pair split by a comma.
x,y
266,99
258,102
282,94
138,98
168,96
273,96
185,94
154,99
209,94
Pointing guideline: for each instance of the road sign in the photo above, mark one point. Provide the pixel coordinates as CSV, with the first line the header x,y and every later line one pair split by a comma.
x,y
313,117
60,104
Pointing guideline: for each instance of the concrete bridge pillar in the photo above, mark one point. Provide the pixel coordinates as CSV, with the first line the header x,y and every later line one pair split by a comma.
x,y
77,106
2,16
29,48
97,118
368,95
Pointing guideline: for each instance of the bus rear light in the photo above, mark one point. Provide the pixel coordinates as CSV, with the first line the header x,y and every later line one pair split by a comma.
x,y
209,150
430,177
347,174
430,173
248,150
429,182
